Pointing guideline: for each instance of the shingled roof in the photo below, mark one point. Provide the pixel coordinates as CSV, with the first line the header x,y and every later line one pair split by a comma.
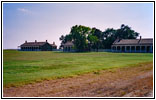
x,y
133,41
33,43
53,45
68,44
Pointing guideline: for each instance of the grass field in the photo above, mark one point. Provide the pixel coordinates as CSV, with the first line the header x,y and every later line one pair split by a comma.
x,y
21,67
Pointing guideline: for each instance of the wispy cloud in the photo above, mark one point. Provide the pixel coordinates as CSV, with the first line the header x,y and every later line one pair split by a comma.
x,y
23,10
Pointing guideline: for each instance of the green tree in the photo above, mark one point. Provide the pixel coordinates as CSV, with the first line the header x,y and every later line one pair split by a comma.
x,y
79,34
108,37
93,40
85,38
125,32
96,32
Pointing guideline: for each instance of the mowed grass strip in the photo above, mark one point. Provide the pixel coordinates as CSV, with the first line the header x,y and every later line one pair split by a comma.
x,y
23,67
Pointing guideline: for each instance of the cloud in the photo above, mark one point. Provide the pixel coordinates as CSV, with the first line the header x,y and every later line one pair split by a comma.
x,y
23,10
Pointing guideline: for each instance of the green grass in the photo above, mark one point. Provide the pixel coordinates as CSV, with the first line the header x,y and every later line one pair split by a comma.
x,y
21,67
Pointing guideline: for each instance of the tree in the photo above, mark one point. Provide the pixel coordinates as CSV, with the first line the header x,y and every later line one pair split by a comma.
x,y
98,33
125,32
108,37
62,38
93,40
79,35
85,38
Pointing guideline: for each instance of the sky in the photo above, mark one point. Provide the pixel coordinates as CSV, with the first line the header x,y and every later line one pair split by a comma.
x,y
48,21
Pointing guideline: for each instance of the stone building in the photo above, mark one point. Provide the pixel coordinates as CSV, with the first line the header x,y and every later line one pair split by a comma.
x,y
133,45
37,46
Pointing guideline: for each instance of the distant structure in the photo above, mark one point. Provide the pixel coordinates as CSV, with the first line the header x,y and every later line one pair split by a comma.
x,y
133,45
54,46
37,46
68,47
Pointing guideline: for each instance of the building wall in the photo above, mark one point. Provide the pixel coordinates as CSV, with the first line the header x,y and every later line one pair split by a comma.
x,y
46,47
68,49
54,47
29,48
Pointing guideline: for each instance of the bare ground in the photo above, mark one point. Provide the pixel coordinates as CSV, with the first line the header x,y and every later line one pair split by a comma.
x,y
123,82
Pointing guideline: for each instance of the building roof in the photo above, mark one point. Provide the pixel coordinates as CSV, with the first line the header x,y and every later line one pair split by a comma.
x,y
69,43
146,41
33,43
53,45
133,41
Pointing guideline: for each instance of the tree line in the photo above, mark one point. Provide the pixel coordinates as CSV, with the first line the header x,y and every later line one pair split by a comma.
x,y
86,38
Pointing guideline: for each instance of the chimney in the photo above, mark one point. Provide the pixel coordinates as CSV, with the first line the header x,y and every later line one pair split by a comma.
x,y
26,41
140,37
35,41
46,41
53,42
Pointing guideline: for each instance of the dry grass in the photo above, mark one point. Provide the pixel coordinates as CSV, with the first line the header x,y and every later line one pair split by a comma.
x,y
129,81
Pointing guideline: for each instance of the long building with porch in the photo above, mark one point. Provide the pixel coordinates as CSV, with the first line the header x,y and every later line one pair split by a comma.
x,y
37,46
133,45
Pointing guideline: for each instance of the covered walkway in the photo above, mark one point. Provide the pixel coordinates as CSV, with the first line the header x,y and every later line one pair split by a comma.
x,y
129,48
133,45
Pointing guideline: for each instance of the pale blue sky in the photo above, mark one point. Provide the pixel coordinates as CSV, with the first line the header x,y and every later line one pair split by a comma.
x,y
48,21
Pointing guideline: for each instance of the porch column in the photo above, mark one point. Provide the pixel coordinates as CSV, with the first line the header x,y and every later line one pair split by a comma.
x,y
114,48
130,47
134,48
120,48
125,48
145,48
151,49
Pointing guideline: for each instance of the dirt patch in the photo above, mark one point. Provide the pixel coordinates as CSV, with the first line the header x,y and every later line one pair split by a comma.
x,y
127,82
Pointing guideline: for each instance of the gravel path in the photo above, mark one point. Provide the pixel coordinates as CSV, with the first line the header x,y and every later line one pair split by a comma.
x,y
126,82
